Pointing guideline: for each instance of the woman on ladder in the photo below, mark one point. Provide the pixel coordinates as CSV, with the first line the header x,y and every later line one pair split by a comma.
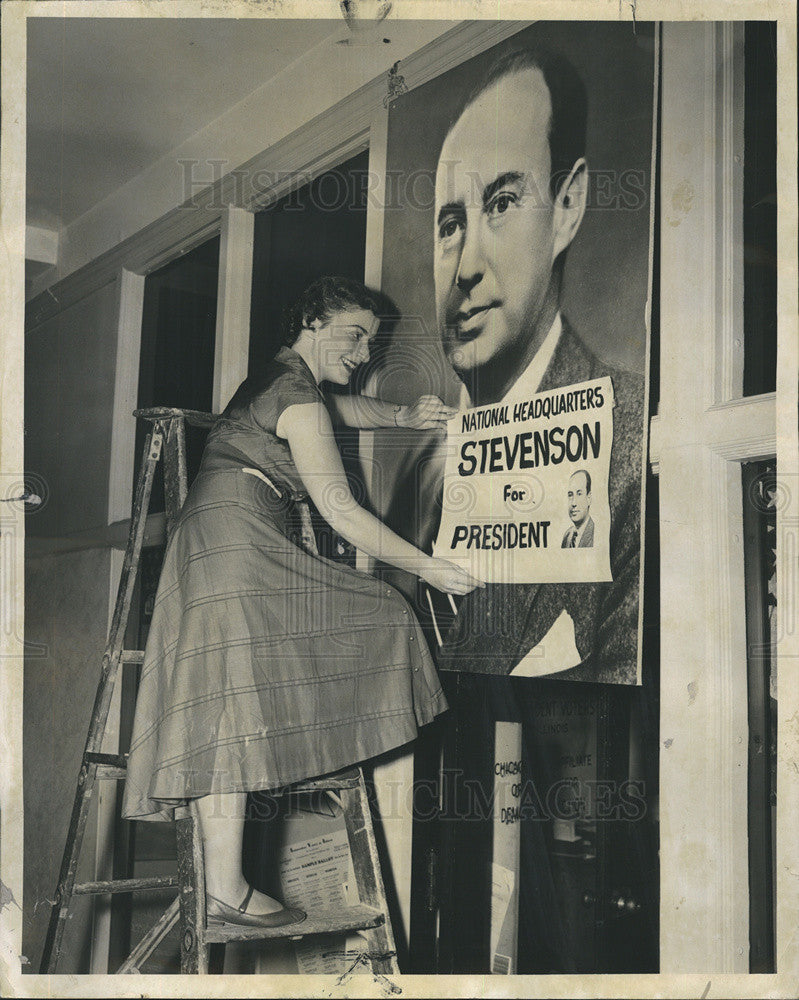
x,y
267,664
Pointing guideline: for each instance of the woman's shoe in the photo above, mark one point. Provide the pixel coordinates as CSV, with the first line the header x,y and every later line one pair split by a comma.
x,y
220,913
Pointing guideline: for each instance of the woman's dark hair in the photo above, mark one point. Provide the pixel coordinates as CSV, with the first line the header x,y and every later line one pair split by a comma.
x,y
323,299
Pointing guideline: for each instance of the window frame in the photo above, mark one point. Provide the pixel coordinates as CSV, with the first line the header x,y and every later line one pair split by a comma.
x,y
702,434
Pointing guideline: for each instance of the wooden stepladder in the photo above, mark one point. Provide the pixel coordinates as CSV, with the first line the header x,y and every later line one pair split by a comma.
x,y
370,917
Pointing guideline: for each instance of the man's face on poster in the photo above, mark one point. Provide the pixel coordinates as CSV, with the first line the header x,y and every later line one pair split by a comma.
x,y
579,497
495,241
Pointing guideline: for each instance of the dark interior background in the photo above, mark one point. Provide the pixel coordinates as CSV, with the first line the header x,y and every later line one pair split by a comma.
x,y
178,338
760,208
317,230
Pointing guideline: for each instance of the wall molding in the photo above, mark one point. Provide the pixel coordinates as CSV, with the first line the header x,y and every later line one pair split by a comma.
x,y
743,430
130,305
233,305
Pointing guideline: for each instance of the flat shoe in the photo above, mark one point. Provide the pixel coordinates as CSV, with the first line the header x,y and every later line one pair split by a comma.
x,y
220,913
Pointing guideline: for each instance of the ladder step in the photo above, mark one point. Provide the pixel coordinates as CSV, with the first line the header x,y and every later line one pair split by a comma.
x,y
132,656
110,766
197,418
107,759
320,785
107,772
349,918
126,885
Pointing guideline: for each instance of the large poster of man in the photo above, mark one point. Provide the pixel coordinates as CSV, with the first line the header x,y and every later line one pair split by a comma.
x,y
518,249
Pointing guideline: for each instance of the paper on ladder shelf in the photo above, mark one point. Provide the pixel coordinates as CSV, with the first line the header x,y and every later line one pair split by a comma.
x,y
316,873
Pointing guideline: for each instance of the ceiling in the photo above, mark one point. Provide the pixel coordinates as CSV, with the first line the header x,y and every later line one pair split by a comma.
x,y
107,97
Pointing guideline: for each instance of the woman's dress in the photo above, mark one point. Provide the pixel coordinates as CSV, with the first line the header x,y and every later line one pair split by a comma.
x,y
265,664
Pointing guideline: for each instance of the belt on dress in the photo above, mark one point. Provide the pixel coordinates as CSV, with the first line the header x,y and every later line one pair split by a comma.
x,y
260,475
307,533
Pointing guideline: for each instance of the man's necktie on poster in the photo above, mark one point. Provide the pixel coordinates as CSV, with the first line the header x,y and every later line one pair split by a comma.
x,y
523,478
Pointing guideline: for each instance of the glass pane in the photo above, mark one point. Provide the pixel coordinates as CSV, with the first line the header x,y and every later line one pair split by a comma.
x,y
177,348
317,230
760,208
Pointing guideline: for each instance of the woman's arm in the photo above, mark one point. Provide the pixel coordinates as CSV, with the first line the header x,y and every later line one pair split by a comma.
x,y
368,412
307,428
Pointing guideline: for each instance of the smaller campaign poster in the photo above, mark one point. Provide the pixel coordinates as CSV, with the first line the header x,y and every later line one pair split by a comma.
x,y
525,496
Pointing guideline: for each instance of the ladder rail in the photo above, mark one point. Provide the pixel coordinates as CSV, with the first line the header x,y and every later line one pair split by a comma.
x,y
152,453
194,953
175,471
368,876
102,704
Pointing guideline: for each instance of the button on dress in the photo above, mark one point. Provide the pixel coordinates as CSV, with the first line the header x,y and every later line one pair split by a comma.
x,y
266,664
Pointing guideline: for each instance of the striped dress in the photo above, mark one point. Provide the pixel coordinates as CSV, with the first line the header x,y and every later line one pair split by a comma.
x,y
265,664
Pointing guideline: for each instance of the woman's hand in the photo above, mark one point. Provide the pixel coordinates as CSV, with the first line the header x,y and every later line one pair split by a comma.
x,y
449,578
427,413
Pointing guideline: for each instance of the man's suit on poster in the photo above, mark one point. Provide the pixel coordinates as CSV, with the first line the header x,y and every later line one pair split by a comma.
x,y
496,626
586,539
